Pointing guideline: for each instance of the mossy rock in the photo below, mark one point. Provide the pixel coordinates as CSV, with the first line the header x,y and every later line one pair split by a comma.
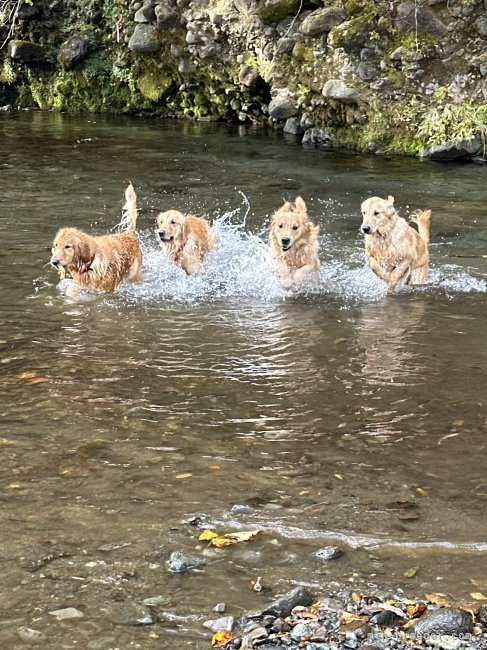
x,y
352,34
154,84
303,53
272,11
358,7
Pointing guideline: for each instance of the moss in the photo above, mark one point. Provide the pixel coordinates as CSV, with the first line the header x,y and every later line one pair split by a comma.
x,y
302,52
354,7
272,11
353,33
154,83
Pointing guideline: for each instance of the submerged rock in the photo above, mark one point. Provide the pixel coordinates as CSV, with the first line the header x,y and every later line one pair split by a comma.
x,y
179,562
283,606
453,150
329,553
67,613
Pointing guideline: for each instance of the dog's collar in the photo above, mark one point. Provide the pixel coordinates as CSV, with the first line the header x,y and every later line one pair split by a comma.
x,y
87,266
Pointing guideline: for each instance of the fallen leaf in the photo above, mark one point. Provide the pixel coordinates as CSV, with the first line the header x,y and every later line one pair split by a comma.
x,y
356,597
339,477
457,423
476,595
207,535
348,617
415,610
255,584
411,572
233,538
187,475
421,491
340,340
438,599
303,493
37,380
221,639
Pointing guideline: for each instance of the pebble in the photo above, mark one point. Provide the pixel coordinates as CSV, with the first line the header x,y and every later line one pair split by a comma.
x,y
329,553
67,613
222,624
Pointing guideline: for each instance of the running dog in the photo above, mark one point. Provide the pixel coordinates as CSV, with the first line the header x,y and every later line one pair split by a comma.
x,y
185,239
396,252
293,242
99,264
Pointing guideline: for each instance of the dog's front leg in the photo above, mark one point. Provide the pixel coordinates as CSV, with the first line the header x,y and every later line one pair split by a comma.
x,y
285,275
400,273
379,270
301,274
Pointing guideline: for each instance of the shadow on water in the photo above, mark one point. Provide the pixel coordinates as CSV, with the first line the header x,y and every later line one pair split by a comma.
x,y
132,421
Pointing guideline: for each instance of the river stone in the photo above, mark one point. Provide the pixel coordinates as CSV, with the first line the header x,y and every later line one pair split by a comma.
x,y
283,106
367,71
222,624
29,635
28,12
67,613
293,127
179,562
447,620
482,615
165,17
322,21
453,150
339,91
248,76
411,15
132,613
316,137
145,14
302,631
144,39
72,51
283,606
329,553
481,25
352,34
26,51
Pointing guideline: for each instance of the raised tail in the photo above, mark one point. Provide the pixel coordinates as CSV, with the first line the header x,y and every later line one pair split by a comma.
x,y
130,212
422,218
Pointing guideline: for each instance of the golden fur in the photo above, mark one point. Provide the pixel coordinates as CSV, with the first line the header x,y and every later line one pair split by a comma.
x,y
396,252
293,241
185,239
100,263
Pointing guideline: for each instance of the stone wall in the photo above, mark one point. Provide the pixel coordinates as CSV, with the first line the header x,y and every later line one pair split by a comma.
x,y
381,76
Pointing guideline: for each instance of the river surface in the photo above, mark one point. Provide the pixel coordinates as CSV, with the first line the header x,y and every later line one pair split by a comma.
x,y
132,422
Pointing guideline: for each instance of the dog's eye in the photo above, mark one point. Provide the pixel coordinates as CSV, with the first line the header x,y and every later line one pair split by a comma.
x,y
173,222
295,227
280,225
376,213
68,246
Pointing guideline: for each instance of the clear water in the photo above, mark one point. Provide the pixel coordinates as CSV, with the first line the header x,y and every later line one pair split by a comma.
x,y
126,417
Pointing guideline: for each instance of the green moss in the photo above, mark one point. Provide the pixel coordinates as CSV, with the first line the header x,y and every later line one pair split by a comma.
x,y
353,7
154,84
354,32
272,11
303,52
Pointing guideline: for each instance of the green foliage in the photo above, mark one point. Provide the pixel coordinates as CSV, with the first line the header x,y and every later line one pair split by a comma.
x,y
7,73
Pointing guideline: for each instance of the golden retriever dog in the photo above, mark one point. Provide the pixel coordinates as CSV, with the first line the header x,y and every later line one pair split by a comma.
x,y
185,239
396,252
100,263
293,241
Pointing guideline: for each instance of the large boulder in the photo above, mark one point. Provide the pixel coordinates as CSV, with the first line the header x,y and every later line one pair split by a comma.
x,y
145,39
411,16
447,620
453,150
322,21
340,92
72,51
26,51
283,106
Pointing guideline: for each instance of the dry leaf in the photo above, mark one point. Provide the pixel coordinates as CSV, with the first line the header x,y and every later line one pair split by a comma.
x,y
339,477
438,599
207,534
221,639
38,380
255,584
411,572
233,538
187,475
356,597
421,491
349,617
476,595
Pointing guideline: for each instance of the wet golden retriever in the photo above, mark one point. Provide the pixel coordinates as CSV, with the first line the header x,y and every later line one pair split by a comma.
x,y
100,263
185,239
396,252
293,241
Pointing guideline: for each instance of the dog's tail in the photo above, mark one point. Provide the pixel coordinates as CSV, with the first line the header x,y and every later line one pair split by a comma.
x,y
422,218
130,212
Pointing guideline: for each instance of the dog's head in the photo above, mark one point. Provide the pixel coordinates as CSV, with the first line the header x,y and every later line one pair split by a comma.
x,y
290,226
70,249
378,215
171,227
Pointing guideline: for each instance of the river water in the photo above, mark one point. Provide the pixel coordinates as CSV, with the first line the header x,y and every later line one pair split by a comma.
x,y
132,422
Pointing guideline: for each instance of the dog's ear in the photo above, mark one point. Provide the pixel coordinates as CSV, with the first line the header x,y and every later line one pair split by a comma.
x,y
83,250
300,205
390,199
184,229
389,203
287,207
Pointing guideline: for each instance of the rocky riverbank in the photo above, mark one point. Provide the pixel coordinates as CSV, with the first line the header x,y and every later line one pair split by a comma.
x,y
379,75
353,621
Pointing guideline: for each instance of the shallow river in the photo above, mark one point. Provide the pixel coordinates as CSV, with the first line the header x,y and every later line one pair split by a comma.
x,y
132,422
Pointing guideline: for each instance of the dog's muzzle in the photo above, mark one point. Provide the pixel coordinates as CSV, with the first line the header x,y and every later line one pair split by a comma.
x,y
285,243
163,237
55,262
365,229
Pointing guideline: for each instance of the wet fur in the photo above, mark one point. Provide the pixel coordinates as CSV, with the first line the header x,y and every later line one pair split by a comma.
x,y
185,239
296,261
99,264
396,252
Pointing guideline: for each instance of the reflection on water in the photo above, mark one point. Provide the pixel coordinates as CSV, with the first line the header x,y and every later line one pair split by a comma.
x,y
337,416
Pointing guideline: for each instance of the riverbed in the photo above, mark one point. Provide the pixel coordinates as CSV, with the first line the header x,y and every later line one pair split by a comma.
x,y
134,421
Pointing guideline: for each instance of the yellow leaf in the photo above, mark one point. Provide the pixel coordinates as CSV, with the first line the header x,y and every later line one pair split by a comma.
x,y
207,535
421,491
438,599
478,596
221,639
37,380
339,477
233,538
187,475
